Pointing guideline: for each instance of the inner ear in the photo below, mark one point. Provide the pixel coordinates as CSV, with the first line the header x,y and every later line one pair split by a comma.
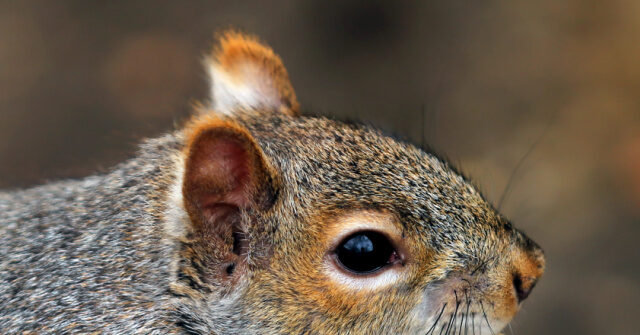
x,y
225,174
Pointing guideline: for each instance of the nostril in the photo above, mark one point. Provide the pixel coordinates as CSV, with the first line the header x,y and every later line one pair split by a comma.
x,y
523,286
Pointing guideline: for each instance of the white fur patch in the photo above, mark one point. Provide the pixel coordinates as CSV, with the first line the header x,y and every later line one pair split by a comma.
x,y
247,88
176,221
384,279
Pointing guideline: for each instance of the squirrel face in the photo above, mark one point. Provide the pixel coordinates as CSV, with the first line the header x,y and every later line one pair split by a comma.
x,y
298,224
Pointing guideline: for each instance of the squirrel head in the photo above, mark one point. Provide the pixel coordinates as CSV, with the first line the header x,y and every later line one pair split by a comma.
x,y
294,224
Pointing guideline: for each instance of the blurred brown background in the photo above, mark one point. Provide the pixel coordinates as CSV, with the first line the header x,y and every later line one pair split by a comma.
x,y
81,82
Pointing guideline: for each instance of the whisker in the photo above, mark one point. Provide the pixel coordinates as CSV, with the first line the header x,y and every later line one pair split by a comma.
x,y
446,326
486,318
465,315
473,323
524,157
466,324
461,322
479,266
455,313
433,327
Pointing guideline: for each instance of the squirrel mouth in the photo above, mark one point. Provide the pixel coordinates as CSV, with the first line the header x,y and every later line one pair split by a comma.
x,y
460,305
462,319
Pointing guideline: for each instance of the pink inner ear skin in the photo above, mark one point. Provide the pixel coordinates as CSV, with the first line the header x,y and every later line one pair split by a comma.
x,y
233,158
221,173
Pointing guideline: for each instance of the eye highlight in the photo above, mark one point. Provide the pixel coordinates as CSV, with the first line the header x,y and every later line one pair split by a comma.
x,y
365,252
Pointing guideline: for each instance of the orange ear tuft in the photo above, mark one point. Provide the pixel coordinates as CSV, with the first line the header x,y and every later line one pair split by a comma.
x,y
246,74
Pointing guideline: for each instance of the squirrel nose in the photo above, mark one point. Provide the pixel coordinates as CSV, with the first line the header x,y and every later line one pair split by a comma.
x,y
523,285
527,270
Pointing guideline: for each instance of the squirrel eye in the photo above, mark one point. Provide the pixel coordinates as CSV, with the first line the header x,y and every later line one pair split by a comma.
x,y
364,252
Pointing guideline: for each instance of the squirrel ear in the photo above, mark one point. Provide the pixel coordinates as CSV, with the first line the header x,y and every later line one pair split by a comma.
x,y
225,173
246,75
224,167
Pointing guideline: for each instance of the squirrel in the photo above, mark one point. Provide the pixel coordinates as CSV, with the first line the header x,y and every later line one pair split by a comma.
x,y
253,219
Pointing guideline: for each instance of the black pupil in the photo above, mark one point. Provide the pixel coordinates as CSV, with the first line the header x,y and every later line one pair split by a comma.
x,y
364,252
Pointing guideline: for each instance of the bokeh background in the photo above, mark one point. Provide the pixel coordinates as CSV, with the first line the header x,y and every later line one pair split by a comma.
x,y
542,95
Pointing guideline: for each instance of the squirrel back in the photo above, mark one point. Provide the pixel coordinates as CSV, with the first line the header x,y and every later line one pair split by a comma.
x,y
253,219
78,256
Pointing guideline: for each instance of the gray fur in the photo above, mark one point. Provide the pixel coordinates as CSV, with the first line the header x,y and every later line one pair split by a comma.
x,y
94,255
87,255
